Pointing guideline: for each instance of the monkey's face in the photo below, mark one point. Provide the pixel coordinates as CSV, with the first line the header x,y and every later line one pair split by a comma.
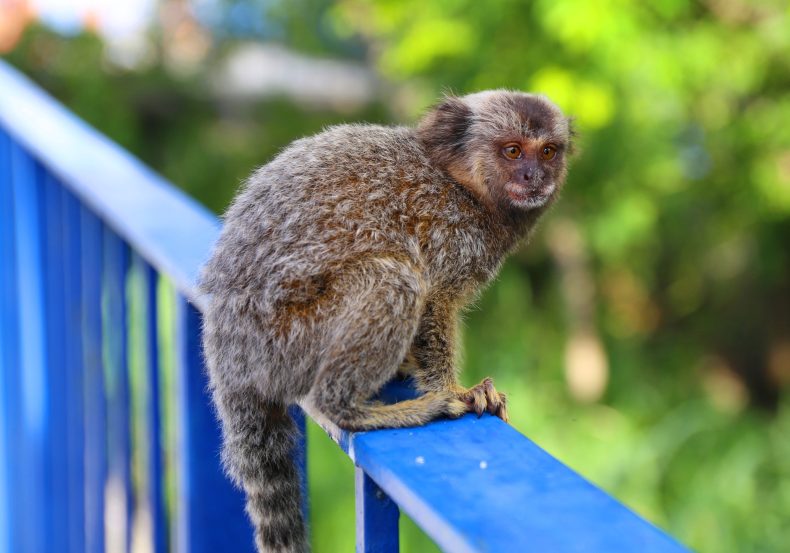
x,y
518,145
527,172
509,148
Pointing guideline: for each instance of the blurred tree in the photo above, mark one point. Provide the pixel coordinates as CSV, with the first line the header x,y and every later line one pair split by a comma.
x,y
174,120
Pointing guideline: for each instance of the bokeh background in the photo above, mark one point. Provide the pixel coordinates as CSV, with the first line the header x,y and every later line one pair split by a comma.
x,y
644,335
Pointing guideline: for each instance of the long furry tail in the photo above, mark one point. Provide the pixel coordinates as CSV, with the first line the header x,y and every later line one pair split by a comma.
x,y
258,454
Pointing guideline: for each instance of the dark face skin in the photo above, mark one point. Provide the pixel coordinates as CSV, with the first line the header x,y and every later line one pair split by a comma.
x,y
530,169
529,164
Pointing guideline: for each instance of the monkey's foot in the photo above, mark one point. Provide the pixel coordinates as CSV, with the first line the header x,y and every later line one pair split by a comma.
x,y
484,397
451,405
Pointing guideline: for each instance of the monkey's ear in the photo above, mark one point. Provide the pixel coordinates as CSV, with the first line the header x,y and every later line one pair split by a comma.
x,y
443,130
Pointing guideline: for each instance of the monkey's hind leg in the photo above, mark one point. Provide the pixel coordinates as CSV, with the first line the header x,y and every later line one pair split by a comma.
x,y
364,415
369,337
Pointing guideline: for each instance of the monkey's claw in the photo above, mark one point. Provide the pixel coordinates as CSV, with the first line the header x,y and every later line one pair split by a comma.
x,y
484,397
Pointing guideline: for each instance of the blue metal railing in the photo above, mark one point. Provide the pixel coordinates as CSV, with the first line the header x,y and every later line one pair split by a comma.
x,y
89,237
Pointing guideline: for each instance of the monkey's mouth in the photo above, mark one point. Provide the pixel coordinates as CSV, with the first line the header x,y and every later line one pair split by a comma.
x,y
528,196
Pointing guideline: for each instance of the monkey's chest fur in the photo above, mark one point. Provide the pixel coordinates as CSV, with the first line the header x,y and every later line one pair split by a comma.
x,y
320,227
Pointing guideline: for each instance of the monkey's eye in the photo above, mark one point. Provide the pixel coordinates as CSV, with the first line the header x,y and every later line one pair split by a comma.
x,y
511,151
548,152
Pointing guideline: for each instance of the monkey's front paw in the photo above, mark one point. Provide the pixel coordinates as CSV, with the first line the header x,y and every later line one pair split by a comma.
x,y
485,397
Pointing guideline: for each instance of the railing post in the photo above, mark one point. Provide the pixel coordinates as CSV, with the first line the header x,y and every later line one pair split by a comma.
x,y
32,390
56,482
73,369
8,362
120,500
95,414
211,511
377,517
149,401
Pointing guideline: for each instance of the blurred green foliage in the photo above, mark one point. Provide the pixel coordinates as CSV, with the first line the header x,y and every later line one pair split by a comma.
x,y
666,264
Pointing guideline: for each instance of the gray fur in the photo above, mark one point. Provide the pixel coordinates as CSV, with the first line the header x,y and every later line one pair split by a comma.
x,y
349,252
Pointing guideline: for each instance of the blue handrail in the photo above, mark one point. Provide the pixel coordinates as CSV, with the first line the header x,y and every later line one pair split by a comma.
x,y
81,219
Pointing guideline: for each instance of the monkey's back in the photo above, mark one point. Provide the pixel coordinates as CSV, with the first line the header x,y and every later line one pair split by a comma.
x,y
320,209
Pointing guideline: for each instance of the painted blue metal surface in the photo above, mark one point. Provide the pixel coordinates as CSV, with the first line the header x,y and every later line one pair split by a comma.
x,y
116,268
471,484
154,463
377,517
8,345
74,385
205,495
95,409
25,177
56,478
479,485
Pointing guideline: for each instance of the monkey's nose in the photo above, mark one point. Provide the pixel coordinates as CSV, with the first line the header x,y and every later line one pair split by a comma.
x,y
527,176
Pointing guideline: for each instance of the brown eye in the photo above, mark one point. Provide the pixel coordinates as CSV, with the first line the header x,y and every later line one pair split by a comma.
x,y
548,152
511,151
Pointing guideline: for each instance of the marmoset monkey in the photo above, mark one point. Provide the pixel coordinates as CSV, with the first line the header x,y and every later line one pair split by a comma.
x,y
351,251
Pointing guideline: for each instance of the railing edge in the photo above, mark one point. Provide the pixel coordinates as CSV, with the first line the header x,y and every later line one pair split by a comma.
x,y
158,220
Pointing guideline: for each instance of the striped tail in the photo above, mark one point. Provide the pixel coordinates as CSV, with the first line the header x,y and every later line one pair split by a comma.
x,y
258,454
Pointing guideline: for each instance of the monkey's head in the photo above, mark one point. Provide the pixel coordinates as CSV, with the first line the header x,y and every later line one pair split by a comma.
x,y
509,148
